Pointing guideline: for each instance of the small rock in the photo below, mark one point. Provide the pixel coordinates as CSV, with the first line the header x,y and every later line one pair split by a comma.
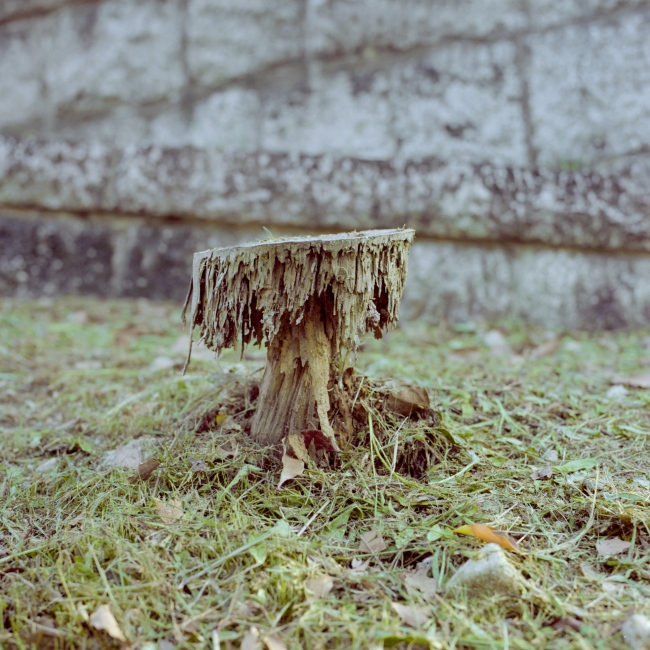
x,y
489,573
551,455
617,391
497,343
47,466
161,363
636,632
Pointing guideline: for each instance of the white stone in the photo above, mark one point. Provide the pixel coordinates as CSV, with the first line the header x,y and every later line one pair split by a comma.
x,y
636,632
489,574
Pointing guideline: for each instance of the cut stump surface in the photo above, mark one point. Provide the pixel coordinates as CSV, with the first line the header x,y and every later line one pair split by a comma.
x,y
309,299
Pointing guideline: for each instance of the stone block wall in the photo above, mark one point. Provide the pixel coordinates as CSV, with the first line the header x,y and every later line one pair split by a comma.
x,y
514,135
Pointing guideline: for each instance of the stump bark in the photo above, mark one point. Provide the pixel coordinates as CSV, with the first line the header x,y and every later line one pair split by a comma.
x,y
309,299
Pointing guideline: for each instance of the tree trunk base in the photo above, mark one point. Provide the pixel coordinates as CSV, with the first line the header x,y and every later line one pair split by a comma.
x,y
293,392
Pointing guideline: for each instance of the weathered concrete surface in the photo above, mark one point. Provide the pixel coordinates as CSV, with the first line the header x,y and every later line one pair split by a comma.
x,y
447,280
582,209
510,122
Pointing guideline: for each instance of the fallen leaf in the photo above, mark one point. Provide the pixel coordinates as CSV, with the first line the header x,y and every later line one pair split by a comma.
x,y
198,465
221,418
319,586
372,542
223,452
638,381
320,440
171,511
545,472
291,467
144,470
487,534
297,445
251,640
612,546
420,580
102,619
551,454
577,465
411,616
567,623
131,455
274,642
359,567
407,399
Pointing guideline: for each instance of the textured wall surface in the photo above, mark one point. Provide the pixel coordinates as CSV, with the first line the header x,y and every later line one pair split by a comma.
x,y
514,135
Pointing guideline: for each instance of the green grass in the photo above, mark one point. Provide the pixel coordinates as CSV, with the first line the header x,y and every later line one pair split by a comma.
x,y
76,380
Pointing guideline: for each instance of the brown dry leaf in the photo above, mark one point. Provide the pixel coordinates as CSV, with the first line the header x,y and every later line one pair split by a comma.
x,y
413,616
372,542
297,444
274,642
319,586
251,640
291,467
227,451
407,400
567,623
145,470
170,511
420,580
198,465
544,473
612,546
102,619
638,381
487,534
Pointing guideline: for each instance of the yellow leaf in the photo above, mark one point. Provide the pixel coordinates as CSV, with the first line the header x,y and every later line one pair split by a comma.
x,y
487,534
222,417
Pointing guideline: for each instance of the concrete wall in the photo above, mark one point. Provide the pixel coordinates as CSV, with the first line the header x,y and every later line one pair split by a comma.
x,y
514,135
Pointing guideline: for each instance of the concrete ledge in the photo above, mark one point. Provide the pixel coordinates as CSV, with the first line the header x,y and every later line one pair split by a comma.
x,y
581,209
61,254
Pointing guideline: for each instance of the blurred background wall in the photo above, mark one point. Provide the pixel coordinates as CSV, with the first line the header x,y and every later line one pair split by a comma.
x,y
513,135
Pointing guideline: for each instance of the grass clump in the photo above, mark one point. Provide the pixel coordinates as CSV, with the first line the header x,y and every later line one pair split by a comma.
x,y
208,552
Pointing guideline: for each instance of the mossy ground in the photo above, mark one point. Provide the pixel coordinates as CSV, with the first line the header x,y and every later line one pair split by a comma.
x,y
79,377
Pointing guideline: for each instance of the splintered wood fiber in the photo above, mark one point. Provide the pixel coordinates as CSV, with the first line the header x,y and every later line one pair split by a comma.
x,y
248,293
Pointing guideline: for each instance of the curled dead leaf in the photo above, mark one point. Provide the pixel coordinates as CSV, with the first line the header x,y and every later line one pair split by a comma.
x,y
372,542
420,579
274,642
144,470
408,400
102,619
637,381
297,445
291,467
171,511
319,586
545,473
412,616
612,546
251,640
489,535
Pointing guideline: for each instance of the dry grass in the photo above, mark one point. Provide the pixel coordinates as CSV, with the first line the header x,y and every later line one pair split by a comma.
x,y
76,379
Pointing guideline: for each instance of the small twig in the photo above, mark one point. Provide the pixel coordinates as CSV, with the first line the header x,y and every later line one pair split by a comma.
x,y
311,519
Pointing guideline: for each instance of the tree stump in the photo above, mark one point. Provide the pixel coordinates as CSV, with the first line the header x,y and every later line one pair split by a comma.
x,y
309,299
